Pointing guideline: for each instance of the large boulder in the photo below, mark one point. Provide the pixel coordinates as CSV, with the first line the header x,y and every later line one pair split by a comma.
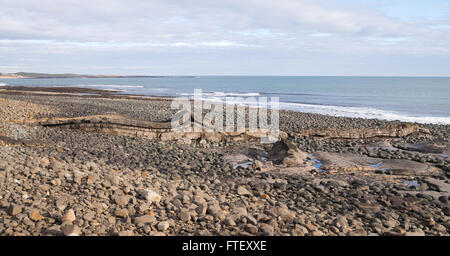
x,y
285,152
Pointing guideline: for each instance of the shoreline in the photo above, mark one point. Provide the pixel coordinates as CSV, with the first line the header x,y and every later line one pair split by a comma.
x,y
112,93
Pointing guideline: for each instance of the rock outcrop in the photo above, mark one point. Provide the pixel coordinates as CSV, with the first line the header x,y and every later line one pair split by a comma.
x,y
285,152
395,130
435,147
355,162
123,126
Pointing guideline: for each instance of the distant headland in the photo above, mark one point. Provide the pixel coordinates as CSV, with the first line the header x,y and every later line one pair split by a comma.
x,y
44,75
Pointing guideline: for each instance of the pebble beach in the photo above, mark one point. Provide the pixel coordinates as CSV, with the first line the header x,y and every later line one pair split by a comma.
x,y
60,181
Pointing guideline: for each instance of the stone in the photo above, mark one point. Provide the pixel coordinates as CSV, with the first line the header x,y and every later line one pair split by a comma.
x,y
62,202
143,207
301,219
399,230
393,233
251,220
201,209
341,223
252,229
69,216
446,210
150,195
440,228
45,162
212,136
56,182
145,219
310,227
34,215
54,230
286,152
89,215
229,222
285,214
317,233
430,222
185,216
415,233
71,230
241,210
56,165
444,200
14,209
123,213
439,185
125,233
265,196
214,210
91,178
447,224
121,200
241,190
266,229
163,226
113,178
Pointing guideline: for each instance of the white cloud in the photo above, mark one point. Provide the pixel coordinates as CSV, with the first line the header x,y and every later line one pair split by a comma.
x,y
97,20
266,30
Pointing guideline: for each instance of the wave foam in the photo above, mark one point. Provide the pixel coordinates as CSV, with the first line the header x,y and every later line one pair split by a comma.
x,y
109,86
3,84
223,94
363,112
340,111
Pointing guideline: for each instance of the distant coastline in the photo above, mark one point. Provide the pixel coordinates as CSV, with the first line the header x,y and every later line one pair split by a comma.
x,y
27,75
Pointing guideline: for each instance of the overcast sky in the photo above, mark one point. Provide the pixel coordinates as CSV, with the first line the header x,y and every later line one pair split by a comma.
x,y
226,37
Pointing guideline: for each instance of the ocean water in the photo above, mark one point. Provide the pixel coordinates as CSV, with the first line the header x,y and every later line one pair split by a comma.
x,y
413,99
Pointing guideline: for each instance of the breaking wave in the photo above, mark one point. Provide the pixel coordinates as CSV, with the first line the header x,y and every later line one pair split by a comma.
x,y
111,86
223,94
363,112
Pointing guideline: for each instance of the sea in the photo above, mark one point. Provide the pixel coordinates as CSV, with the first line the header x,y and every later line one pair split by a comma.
x,y
410,99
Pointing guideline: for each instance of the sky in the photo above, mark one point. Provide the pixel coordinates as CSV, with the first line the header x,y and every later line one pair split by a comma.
x,y
226,37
